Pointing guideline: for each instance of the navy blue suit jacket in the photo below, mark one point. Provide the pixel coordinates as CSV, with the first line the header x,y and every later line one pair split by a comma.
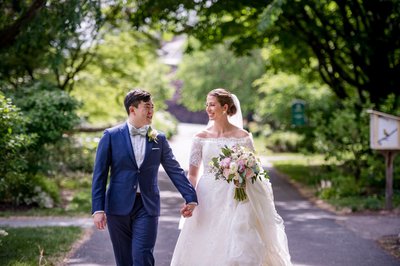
x,y
115,158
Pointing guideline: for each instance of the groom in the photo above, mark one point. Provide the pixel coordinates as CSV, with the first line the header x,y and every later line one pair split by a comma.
x,y
132,152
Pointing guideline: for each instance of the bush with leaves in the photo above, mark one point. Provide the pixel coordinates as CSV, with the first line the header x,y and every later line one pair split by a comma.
x,y
344,136
17,186
51,113
280,141
28,134
14,143
13,138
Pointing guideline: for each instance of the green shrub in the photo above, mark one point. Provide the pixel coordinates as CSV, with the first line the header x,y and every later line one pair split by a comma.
x,y
81,202
28,190
51,112
14,144
283,141
74,153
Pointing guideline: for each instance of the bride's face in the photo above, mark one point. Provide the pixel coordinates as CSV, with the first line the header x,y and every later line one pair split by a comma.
x,y
214,109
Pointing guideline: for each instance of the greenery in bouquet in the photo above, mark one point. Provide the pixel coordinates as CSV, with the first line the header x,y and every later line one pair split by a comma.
x,y
239,165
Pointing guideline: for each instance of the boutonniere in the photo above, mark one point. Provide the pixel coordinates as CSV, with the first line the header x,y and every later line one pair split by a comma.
x,y
152,134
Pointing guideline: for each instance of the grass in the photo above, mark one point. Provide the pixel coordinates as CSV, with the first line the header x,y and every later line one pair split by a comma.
x,y
37,245
310,170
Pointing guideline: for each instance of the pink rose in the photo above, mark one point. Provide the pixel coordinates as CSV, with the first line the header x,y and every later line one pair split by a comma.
x,y
225,162
249,173
226,172
241,166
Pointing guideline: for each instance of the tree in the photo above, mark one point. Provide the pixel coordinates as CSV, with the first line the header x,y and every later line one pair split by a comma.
x,y
48,40
201,72
125,59
355,43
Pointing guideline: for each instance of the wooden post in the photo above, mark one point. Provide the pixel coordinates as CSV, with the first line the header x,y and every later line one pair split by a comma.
x,y
389,158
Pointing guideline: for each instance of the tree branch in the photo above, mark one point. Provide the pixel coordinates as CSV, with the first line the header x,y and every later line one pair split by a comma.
x,y
9,34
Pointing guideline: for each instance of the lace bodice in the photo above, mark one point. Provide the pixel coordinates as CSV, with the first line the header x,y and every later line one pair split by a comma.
x,y
203,149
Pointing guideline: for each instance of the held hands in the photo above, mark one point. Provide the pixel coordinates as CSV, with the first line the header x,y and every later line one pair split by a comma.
x,y
187,210
100,220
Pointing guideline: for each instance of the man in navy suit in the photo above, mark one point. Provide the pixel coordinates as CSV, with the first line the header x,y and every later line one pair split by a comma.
x,y
131,154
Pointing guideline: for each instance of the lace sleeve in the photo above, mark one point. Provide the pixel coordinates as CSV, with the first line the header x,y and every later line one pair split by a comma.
x,y
249,143
195,153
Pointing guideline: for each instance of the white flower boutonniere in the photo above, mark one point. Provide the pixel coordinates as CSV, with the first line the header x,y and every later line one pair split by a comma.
x,y
152,134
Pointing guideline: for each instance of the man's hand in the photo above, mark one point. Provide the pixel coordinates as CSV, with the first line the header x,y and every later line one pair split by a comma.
x,y
187,210
100,220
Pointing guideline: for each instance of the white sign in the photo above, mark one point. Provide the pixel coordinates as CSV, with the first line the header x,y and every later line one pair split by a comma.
x,y
384,131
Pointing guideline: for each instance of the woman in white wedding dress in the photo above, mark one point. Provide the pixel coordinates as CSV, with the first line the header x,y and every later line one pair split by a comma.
x,y
223,231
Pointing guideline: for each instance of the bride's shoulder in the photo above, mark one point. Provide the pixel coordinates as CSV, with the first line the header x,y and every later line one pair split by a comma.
x,y
241,133
202,134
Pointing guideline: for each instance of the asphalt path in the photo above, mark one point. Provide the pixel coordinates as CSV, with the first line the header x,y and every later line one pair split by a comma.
x,y
316,237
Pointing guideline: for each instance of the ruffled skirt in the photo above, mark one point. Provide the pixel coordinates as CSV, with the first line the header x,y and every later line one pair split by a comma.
x,y
223,231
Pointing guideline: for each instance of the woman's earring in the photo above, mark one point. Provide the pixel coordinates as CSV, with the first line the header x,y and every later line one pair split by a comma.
x,y
224,112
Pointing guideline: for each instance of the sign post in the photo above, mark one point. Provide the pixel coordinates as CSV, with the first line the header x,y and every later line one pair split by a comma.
x,y
385,137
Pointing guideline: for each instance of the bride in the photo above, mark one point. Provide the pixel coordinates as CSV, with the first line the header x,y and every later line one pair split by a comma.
x,y
222,230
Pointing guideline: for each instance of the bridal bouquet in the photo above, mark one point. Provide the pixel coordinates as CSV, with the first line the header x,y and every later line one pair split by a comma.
x,y
238,165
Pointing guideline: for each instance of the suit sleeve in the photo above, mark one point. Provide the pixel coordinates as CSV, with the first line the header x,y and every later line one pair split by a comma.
x,y
100,172
176,173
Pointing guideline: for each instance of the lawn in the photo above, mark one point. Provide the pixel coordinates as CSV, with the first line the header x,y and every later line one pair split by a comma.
x,y
328,183
37,245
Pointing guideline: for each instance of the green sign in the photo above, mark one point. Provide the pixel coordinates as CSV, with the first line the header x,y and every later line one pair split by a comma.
x,y
298,113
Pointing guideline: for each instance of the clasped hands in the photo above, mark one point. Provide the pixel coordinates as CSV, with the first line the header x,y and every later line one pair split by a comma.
x,y
187,210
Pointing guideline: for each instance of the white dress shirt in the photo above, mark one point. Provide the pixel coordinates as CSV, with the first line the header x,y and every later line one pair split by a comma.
x,y
139,147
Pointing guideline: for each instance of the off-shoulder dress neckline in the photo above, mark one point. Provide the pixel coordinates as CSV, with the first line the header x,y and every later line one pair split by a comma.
x,y
223,138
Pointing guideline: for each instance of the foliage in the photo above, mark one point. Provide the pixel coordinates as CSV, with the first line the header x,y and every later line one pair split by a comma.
x,y
48,40
278,92
3,233
201,73
24,246
47,113
353,45
124,60
82,202
349,142
14,141
16,185
332,182
283,141
30,190
344,141
51,112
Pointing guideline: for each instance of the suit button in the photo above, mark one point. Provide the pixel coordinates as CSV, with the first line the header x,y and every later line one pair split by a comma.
x,y
134,187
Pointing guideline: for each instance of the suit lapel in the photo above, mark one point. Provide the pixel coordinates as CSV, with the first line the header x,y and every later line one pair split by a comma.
x,y
149,145
127,138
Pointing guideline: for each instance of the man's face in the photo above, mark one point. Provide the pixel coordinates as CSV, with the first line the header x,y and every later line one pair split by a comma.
x,y
143,114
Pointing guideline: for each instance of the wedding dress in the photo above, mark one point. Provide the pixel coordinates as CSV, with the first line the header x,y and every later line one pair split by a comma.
x,y
224,231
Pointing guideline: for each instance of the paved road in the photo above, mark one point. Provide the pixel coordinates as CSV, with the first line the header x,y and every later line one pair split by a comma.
x,y
316,237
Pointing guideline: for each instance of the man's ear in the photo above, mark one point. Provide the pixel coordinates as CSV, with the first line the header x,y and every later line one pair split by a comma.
x,y
131,109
